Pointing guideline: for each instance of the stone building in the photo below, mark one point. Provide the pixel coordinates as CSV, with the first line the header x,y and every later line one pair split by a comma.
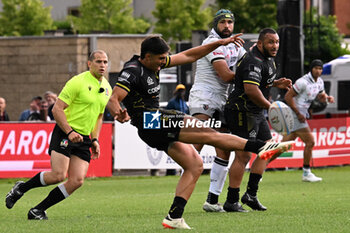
x,y
31,65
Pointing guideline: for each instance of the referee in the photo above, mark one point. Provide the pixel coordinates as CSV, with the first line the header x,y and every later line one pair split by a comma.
x,y
78,113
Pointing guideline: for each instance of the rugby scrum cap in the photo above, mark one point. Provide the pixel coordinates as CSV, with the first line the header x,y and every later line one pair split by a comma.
x,y
316,62
222,14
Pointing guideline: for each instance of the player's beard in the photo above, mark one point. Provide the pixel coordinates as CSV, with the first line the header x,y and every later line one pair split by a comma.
x,y
266,52
226,34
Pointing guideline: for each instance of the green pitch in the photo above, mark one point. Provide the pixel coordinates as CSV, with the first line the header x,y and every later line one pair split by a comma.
x,y
129,204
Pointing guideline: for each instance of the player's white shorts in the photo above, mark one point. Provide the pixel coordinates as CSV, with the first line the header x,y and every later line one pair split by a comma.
x,y
206,102
298,124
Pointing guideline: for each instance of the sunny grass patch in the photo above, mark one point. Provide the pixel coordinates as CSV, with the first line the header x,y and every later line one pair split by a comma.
x,y
129,204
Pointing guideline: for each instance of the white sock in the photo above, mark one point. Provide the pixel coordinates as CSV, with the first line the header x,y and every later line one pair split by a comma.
x,y
218,175
306,171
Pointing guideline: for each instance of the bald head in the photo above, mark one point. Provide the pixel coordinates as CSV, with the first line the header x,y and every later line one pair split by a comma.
x,y
2,104
93,54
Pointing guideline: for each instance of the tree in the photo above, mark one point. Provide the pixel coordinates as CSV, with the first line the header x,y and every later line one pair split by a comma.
x,y
20,18
251,15
178,18
324,40
113,16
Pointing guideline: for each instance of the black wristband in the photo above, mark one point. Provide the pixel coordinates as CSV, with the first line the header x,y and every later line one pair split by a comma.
x,y
70,132
95,140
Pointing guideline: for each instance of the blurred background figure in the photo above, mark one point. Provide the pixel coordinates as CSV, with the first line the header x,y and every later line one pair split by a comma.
x,y
51,98
44,111
34,109
178,101
3,114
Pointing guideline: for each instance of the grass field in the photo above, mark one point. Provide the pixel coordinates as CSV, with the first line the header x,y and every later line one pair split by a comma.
x,y
130,204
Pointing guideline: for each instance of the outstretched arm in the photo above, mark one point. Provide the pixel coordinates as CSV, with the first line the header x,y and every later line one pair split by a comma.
x,y
193,54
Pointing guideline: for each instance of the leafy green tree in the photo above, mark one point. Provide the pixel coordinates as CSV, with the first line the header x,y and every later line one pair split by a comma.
x,y
20,18
251,15
114,16
178,18
324,40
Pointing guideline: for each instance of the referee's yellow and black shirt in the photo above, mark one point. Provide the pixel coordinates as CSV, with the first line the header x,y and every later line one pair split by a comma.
x,y
86,98
256,69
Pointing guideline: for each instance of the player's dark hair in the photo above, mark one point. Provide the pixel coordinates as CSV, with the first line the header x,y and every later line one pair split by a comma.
x,y
265,31
154,45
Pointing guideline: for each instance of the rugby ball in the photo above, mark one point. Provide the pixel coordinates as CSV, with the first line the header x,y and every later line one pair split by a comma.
x,y
281,117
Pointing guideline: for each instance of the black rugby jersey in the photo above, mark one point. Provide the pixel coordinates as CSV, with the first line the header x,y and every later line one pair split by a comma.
x,y
142,86
255,69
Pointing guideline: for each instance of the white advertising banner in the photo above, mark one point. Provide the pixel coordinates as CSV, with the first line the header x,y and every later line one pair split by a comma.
x,y
132,153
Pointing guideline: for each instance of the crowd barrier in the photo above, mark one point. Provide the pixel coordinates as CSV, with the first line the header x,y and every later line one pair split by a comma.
x,y
332,137
24,150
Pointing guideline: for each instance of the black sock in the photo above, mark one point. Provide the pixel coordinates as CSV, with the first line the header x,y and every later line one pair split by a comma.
x,y
178,207
53,198
34,182
253,183
212,198
232,195
306,166
254,146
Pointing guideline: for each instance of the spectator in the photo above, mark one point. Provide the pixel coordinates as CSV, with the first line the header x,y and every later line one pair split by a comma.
x,y
3,113
44,111
51,98
178,101
34,107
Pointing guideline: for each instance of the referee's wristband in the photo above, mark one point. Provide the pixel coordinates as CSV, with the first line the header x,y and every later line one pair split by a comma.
x,y
70,132
95,140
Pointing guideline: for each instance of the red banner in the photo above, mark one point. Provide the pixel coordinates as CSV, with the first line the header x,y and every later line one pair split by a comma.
x,y
332,145
24,150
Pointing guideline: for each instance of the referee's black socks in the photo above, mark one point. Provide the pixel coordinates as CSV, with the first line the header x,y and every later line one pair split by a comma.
x,y
56,195
34,182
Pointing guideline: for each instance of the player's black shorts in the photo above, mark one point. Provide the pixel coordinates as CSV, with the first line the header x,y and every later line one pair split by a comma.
x,y
248,125
168,132
60,143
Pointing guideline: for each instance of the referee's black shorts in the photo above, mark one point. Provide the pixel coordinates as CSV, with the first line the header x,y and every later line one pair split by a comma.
x,y
60,143
247,125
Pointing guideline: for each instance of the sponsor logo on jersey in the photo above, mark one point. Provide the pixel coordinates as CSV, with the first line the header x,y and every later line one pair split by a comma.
x,y
252,134
257,69
149,81
153,90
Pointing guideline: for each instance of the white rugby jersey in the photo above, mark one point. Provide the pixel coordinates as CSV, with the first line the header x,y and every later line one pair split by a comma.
x,y
307,90
206,77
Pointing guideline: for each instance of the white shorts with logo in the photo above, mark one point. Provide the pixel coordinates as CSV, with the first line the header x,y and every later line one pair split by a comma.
x,y
297,124
206,102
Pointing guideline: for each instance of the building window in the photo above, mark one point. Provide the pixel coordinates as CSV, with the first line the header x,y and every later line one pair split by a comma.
x,y
74,11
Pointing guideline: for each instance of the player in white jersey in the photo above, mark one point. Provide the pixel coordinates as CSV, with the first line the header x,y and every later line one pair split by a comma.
x,y
299,98
209,93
